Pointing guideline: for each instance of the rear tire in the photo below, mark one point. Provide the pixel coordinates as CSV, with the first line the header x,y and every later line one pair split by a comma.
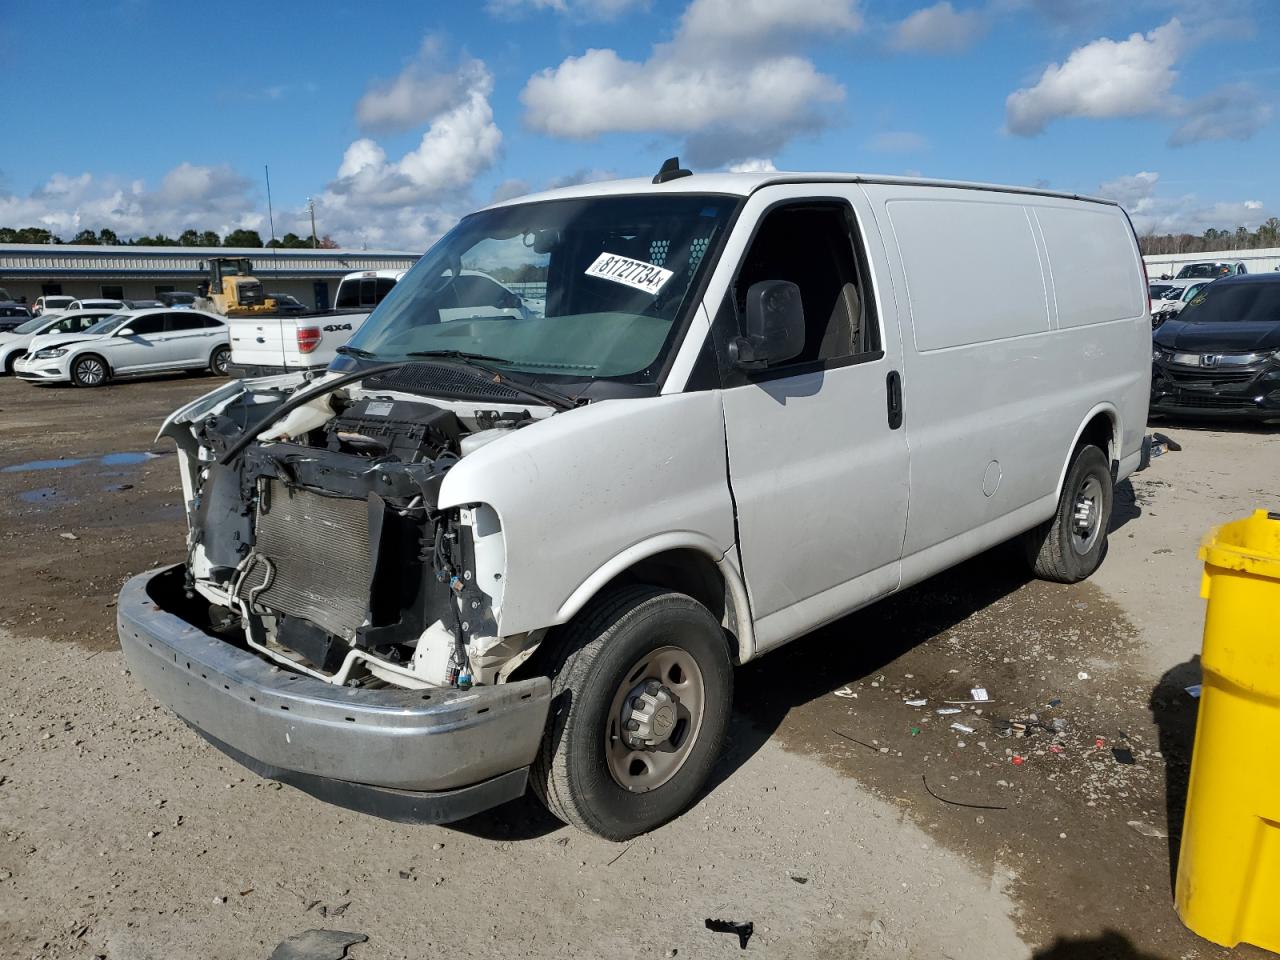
x,y
637,652
1070,546
89,370
219,361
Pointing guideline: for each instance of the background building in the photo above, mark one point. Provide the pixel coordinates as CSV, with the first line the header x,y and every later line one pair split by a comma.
x,y
140,273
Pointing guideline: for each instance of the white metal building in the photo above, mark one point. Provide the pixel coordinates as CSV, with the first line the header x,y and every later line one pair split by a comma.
x,y
31,270
1263,260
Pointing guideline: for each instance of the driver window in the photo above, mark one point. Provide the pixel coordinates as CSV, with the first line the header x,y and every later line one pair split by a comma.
x,y
812,245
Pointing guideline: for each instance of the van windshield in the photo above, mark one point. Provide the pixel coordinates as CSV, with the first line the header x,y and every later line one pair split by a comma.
x,y
1234,303
565,289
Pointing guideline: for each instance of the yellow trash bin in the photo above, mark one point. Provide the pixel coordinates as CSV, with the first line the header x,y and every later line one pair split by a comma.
x,y
1228,887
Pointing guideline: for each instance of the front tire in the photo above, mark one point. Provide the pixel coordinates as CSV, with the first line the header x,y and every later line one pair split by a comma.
x,y
642,689
219,361
89,370
11,362
1070,546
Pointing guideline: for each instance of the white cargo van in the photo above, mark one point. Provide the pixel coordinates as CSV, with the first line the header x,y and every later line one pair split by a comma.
x,y
287,342
498,550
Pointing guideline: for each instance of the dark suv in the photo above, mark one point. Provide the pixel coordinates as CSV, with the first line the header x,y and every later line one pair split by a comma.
x,y
1221,355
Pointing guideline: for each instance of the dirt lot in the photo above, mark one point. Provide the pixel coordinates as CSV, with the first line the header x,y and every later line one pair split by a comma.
x,y
125,836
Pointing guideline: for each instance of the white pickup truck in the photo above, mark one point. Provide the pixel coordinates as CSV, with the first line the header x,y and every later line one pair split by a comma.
x,y
288,343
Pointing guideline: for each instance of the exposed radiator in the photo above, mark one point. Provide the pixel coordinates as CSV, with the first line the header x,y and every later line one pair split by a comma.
x,y
319,550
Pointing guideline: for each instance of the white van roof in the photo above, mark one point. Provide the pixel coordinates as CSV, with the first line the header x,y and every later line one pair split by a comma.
x,y
744,184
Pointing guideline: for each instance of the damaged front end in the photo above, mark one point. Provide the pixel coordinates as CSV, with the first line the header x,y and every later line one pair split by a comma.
x,y
314,532
332,628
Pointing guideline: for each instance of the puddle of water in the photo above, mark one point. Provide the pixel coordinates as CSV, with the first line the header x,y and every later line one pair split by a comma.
x,y
129,459
46,496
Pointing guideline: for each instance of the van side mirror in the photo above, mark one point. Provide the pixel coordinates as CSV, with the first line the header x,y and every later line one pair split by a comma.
x,y
774,326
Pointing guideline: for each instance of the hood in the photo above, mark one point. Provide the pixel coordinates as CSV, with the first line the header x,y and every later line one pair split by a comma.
x,y
59,340
1233,337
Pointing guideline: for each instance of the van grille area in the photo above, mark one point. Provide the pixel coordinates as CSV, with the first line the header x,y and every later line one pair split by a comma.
x,y
318,548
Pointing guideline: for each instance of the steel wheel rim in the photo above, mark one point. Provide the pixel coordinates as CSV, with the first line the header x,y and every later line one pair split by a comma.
x,y
645,768
1086,515
90,371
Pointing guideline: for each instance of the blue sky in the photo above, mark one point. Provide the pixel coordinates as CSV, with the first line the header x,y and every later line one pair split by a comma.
x,y
151,116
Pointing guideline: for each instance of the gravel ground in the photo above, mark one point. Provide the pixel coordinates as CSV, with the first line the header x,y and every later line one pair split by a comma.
x,y
834,824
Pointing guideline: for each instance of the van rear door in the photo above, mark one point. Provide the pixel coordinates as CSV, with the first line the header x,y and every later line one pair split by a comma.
x,y
818,462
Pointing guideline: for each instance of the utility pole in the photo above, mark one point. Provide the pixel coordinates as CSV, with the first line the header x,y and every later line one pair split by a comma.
x,y
311,205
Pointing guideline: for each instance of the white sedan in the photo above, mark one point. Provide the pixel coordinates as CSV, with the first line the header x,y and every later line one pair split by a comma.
x,y
15,343
124,344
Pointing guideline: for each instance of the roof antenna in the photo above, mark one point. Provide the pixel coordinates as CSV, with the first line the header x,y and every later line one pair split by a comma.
x,y
671,170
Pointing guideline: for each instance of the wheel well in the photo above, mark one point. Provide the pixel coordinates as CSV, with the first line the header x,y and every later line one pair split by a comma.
x,y
684,570
1100,432
688,571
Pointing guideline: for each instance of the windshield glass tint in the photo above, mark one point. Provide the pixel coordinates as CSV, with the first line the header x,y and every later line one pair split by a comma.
x,y
589,288
1158,291
1198,270
108,324
1235,303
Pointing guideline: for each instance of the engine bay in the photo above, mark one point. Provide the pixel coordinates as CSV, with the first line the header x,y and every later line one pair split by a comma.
x,y
315,535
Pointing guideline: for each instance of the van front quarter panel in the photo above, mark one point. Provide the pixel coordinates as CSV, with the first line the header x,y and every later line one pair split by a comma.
x,y
577,490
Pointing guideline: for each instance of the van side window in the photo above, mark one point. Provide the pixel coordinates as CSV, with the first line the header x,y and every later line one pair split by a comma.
x,y
811,244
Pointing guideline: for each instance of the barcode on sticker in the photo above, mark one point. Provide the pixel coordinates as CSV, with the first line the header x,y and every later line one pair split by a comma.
x,y
634,273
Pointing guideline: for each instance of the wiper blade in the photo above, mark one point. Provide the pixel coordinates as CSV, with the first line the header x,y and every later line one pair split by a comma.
x,y
481,361
350,351
458,355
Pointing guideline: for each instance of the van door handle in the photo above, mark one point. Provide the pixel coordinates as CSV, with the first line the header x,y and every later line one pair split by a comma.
x,y
893,389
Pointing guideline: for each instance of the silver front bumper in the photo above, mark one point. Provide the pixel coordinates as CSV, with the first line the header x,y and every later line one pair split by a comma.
x,y
405,740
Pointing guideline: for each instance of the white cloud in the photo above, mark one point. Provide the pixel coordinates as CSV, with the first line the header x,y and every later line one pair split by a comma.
x,y
410,201
1105,78
1153,212
729,82
898,141
582,9
752,165
423,90
940,28
1234,112
189,196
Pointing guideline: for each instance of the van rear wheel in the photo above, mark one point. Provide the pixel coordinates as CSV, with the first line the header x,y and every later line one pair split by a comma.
x,y
641,693
1070,547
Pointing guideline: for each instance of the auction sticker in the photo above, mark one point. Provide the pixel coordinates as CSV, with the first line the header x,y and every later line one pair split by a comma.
x,y
634,273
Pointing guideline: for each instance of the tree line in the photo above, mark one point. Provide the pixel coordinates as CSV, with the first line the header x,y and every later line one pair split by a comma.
x,y
1242,238
188,238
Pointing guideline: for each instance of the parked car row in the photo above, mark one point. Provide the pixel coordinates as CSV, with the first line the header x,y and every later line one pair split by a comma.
x,y
89,347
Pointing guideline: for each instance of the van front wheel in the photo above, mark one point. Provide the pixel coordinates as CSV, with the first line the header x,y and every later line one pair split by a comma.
x,y
641,693
1070,546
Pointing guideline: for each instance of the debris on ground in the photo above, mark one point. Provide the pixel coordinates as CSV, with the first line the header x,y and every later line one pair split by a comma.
x,y
743,930
1193,691
1123,755
68,536
923,701
846,693
957,803
317,945
1148,830
800,880
961,727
